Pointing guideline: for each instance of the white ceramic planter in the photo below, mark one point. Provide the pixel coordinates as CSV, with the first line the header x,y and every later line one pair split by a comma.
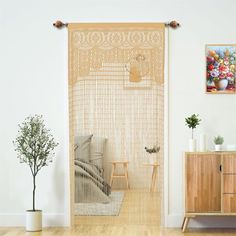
x,y
152,159
33,220
192,145
218,147
202,143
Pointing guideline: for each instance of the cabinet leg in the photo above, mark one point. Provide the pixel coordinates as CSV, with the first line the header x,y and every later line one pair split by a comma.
x,y
185,224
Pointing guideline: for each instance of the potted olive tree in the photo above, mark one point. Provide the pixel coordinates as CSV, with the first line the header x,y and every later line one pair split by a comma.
x,y
34,145
192,122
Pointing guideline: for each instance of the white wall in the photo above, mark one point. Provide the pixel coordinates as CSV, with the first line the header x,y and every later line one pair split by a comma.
x,y
33,79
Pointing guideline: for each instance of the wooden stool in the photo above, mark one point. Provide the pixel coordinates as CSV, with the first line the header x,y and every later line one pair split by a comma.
x,y
124,175
154,175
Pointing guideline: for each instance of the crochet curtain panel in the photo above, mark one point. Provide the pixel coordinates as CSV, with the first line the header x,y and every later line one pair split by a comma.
x,y
116,89
92,45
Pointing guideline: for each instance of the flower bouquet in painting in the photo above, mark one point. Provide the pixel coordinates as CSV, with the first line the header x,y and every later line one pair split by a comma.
x,y
220,68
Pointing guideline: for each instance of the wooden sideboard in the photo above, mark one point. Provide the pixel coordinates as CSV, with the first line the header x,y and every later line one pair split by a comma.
x,y
209,184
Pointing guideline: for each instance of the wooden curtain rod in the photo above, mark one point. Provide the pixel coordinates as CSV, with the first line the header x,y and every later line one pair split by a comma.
x,y
173,24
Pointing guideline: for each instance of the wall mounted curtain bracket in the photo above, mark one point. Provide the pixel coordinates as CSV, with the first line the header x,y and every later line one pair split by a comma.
x,y
59,24
173,24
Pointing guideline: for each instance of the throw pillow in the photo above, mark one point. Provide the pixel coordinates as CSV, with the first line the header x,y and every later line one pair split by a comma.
x,y
97,147
82,148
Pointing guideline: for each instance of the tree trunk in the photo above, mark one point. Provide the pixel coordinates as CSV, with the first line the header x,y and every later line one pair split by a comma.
x,y
34,193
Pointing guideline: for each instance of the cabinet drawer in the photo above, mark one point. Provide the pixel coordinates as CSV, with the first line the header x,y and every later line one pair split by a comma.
x,y
229,163
229,183
229,203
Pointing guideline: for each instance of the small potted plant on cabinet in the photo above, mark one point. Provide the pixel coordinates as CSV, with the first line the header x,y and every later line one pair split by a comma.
x,y
192,123
218,140
34,145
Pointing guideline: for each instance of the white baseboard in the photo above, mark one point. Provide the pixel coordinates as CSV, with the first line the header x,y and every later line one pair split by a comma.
x,y
18,220
175,221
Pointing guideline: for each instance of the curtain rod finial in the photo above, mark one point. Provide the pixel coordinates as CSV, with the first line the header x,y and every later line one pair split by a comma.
x,y
59,24
173,24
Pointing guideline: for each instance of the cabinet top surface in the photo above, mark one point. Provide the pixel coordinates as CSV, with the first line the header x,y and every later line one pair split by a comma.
x,y
212,152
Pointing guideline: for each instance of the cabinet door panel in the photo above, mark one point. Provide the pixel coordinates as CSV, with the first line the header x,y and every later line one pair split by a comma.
x,y
229,183
229,163
203,183
229,203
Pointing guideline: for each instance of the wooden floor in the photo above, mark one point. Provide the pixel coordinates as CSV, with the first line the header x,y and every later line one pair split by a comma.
x,y
139,216
109,230
139,207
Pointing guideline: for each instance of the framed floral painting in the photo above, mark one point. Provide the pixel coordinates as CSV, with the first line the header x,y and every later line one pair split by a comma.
x,y
220,68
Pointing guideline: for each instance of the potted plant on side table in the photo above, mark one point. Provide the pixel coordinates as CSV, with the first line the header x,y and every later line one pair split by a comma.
x,y
218,140
192,122
154,149
34,145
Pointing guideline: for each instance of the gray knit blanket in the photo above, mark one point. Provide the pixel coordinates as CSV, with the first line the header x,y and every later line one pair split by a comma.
x,y
89,183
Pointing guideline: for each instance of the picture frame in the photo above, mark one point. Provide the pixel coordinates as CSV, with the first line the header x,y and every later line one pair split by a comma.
x,y
220,68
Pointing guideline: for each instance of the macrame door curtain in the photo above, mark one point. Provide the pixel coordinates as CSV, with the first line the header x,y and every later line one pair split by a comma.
x,y
116,87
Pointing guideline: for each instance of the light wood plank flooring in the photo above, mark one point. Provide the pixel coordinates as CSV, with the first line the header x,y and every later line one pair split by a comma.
x,y
139,207
90,230
139,216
